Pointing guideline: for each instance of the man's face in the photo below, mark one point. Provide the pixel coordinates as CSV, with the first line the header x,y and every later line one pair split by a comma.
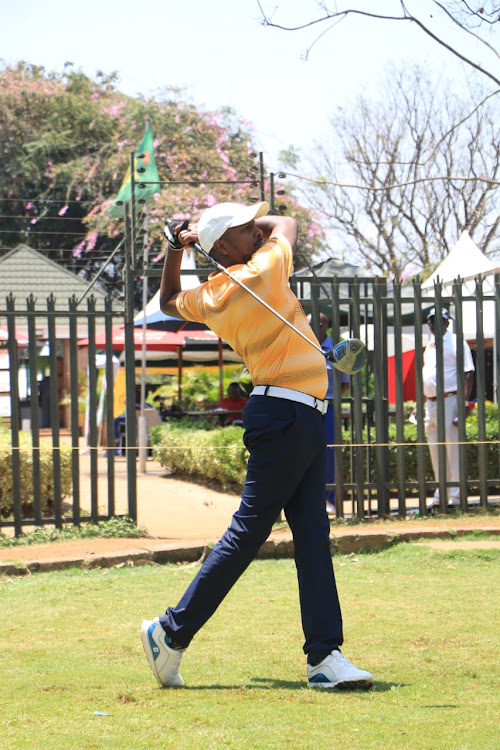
x,y
323,327
431,322
233,392
242,242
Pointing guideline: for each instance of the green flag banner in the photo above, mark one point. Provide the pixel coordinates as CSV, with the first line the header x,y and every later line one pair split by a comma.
x,y
150,177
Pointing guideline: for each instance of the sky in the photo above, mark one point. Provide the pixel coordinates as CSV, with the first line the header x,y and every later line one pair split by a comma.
x,y
222,55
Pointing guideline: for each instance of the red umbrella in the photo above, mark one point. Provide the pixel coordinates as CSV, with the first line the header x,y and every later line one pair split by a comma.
x,y
166,341
4,336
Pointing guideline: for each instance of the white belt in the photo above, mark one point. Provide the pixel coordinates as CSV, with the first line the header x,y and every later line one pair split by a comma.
x,y
291,395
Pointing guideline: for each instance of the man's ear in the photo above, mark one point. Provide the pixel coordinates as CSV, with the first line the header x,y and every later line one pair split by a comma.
x,y
220,247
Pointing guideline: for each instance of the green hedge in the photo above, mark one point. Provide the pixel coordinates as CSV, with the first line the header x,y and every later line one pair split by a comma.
x,y
202,452
26,475
411,449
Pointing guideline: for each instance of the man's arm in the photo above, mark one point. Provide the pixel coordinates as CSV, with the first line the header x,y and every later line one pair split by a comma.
x,y
284,225
171,283
469,380
171,277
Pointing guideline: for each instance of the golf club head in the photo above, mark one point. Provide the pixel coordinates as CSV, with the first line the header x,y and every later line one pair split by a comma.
x,y
348,356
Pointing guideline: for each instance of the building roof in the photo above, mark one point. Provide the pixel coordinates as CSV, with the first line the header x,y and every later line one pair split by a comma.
x,y
25,271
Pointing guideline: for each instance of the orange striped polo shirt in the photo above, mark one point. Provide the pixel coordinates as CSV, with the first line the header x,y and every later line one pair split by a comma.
x,y
272,352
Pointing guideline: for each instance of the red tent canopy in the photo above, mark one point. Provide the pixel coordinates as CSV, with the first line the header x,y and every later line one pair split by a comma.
x,y
408,370
159,341
21,341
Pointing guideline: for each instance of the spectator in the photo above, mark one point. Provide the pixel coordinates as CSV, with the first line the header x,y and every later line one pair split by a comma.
x,y
44,400
234,401
450,403
327,344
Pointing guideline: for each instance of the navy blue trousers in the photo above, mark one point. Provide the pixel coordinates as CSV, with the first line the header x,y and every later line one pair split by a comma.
x,y
286,470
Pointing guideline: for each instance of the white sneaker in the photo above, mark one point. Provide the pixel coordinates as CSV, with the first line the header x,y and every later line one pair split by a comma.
x,y
337,671
163,660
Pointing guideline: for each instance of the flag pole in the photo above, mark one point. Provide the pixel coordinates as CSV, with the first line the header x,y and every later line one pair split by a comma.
x,y
143,430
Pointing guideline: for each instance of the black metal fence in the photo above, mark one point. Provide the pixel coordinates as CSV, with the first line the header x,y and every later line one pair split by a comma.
x,y
40,481
382,462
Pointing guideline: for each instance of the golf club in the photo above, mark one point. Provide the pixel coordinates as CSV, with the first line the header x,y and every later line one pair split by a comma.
x,y
348,356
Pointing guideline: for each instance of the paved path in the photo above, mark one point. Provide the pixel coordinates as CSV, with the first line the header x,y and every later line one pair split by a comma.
x,y
182,518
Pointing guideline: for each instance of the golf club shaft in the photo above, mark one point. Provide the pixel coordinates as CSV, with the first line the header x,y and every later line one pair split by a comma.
x,y
256,297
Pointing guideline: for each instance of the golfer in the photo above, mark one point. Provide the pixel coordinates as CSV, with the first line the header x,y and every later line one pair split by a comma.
x,y
284,434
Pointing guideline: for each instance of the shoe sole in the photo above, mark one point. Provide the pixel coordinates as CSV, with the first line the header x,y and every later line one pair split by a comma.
x,y
343,685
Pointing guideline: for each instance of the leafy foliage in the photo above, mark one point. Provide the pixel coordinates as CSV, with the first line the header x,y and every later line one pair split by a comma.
x,y
66,143
411,449
217,454
46,475
200,387
112,529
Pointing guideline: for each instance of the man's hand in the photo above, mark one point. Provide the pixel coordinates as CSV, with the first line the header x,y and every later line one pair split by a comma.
x,y
180,234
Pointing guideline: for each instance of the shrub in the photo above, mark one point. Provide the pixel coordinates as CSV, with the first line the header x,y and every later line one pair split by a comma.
x,y
26,475
411,448
202,452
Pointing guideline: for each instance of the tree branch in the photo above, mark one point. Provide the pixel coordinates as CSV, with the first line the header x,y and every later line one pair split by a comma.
x,y
443,178
464,28
340,15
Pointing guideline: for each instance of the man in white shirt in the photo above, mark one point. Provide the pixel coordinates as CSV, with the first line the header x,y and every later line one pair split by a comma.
x,y
450,403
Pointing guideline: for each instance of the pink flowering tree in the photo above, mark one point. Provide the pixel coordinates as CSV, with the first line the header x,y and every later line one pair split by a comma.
x,y
67,141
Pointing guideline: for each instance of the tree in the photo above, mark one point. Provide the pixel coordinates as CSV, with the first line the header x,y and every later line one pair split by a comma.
x,y
435,19
66,142
411,171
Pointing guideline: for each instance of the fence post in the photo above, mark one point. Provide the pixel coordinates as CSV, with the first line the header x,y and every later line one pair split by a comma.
x,y
419,398
35,412
74,410
130,410
462,435
54,412
14,415
441,428
481,397
381,449
398,372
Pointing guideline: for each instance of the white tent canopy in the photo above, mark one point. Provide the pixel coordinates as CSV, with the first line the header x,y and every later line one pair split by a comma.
x,y
187,282
467,261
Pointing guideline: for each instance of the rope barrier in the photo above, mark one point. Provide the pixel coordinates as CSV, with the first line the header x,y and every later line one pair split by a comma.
x,y
238,448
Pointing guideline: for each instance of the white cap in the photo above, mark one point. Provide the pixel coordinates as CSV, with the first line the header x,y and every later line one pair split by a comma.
x,y
217,219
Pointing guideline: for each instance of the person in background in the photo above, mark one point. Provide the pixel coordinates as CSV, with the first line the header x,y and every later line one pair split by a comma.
x,y
327,344
234,401
450,404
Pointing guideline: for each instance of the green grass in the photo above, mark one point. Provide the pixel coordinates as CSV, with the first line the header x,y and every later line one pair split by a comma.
x,y
423,621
